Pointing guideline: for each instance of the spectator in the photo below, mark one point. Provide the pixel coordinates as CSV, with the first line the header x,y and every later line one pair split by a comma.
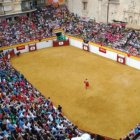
x,y
44,20
25,113
59,108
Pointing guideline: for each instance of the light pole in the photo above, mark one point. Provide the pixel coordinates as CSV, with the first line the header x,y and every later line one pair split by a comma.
x,y
108,2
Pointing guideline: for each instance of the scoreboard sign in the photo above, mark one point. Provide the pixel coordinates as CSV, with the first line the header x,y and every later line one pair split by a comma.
x,y
86,47
32,47
121,59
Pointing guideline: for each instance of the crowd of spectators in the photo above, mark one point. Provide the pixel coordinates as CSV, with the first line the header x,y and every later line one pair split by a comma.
x,y
134,134
24,112
42,22
27,115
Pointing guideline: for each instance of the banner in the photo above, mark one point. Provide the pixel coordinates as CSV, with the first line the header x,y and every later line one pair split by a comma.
x,y
102,50
20,48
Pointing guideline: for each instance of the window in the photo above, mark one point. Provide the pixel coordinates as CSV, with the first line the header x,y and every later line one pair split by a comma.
x,y
42,1
130,19
84,5
114,1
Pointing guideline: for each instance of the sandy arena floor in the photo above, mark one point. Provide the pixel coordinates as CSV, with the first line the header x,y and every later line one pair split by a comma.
x,y
110,107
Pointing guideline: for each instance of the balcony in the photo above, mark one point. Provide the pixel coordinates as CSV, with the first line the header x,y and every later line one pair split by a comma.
x,y
27,5
39,3
13,7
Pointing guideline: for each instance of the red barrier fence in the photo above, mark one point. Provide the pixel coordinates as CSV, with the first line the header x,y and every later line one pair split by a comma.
x,y
121,59
60,43
32,47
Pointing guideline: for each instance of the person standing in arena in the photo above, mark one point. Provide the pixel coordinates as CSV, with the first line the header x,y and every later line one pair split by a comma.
x,y
86,83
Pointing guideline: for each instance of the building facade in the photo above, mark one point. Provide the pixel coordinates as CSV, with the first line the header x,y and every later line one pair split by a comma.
x,y
9,6
107,10
12,7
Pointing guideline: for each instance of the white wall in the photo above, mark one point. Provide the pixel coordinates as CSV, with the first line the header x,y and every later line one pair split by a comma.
x,y
76,43
130,61
133,63
108,54
22,51
11,6
120,10
39,45
44,44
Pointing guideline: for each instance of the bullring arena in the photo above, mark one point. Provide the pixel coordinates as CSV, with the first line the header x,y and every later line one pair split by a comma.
x,y
48,54
106,108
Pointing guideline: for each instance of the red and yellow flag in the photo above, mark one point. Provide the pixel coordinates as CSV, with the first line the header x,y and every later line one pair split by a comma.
x,y
56,2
